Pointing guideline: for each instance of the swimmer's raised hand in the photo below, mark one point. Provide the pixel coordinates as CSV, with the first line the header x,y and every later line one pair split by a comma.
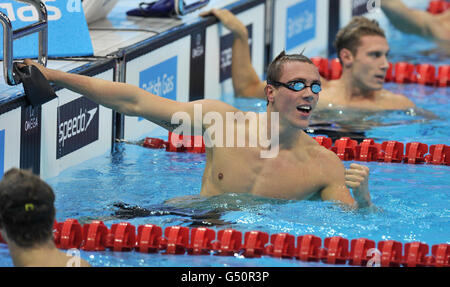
x,y
45,71
229,20
357,178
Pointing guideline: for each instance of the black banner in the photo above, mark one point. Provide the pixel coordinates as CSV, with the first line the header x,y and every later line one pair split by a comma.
x,y
197,72
226,44
77,126
231,276
333,25
30,139
359,7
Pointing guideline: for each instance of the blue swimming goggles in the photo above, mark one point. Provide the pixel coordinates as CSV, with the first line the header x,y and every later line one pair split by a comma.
x,y
297,86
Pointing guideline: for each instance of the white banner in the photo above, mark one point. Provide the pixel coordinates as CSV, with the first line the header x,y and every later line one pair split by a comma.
x,y
74,129
10,140
218,52
300,25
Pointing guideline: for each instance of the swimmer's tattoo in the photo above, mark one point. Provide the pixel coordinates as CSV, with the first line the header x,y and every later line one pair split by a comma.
x,y
169,125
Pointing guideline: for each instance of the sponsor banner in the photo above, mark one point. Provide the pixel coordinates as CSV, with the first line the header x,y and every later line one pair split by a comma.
x,y
74,129
218,58
300,26
161,79
30,139
226,43
77,126
367,8
2,153
359,7
163,72
63,40
333,26
9,140
197,69
362,7
300,23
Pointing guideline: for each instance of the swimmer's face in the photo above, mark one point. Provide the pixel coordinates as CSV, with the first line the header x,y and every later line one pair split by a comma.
x,y
370,64
295,107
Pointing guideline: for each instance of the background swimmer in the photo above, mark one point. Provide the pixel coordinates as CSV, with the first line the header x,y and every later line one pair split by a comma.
x,y
27,215
302,169
421,23
362,49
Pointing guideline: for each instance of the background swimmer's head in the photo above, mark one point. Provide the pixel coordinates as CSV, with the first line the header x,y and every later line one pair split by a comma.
x,y
362,50
27,209
350,36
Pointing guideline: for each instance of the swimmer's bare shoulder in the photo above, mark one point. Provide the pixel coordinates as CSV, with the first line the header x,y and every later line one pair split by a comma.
x,y
332,172
66,261
58,258
396,101
443,32
84,263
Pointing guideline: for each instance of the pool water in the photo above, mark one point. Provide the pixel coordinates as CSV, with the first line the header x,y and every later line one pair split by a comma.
x,y
414,200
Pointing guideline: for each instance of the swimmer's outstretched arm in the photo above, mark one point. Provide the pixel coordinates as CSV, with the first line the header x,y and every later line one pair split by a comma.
x,y
246,82
340,180
129,99
414,21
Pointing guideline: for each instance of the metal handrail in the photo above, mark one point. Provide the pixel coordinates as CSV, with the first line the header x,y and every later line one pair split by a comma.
x,y
9,36
183,9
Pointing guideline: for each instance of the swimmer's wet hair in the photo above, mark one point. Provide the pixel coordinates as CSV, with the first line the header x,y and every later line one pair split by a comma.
x,y
349,37
27,209
274,70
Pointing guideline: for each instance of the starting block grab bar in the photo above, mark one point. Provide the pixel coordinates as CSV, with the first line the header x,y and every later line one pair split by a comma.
x,y
9,35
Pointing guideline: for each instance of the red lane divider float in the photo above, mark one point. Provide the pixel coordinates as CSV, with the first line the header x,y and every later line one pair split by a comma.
x,y
121,237
437,7
345,148
361,251
94,236
229,242
178,240
282,245
388,151
400,73
177,143
149,238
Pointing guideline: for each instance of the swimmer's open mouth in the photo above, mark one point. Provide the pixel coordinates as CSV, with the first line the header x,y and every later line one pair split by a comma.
x,y
304,109
381,77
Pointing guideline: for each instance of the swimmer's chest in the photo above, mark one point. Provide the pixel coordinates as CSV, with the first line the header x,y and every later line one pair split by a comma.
x,y
384,100
244,171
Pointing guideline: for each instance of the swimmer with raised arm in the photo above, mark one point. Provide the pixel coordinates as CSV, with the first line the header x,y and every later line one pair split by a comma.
x,y
299,169
362,49
421,23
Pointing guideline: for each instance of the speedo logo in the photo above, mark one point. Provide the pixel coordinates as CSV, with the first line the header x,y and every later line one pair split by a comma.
x,y
78,125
